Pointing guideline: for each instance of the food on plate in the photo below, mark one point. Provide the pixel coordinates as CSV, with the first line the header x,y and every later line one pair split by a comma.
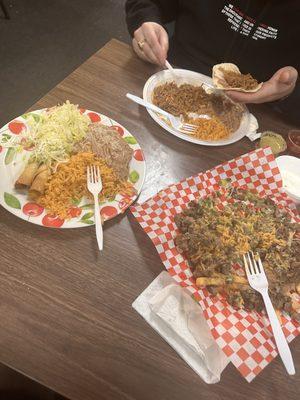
x,y
55,133
184,100
69,184
274,140
209,129
107,144
228,76
51,137
34,178
64,142
27,176
214,237
38,185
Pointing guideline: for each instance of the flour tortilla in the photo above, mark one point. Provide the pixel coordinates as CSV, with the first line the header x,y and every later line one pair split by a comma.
x,y
220,83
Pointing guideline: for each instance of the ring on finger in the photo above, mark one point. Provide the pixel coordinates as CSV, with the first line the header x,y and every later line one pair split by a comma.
x,y
141,44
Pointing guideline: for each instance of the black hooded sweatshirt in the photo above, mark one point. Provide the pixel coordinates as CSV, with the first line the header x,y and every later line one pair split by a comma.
x,y
260,36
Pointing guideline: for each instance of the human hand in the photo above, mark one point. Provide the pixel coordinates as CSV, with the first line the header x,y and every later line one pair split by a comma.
x,y
279,86
151,43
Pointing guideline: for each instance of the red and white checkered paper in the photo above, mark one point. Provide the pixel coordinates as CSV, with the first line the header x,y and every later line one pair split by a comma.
x,y
245,337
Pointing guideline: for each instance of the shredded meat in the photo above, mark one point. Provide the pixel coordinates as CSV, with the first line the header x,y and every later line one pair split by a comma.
x,y
185,99
237,80
107,144
229,113
181,99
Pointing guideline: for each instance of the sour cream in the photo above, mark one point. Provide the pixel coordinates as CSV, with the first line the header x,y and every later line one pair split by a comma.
x,y
291,181
289,168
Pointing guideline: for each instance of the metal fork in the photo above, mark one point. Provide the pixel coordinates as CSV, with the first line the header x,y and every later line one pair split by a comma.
x,y
259,282
94,184
175,121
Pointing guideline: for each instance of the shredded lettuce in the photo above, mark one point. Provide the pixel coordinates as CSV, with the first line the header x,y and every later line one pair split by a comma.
x,y
55,133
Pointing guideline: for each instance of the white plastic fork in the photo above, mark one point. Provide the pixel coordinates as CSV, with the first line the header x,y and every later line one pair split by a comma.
x,y
177,77
169,67
94,184
259,282
175,121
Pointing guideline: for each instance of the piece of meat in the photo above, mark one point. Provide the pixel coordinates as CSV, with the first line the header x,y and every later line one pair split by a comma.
x,y
183,222
182,242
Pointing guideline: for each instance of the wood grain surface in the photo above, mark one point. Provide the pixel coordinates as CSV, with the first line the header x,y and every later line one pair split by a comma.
x,y
65,309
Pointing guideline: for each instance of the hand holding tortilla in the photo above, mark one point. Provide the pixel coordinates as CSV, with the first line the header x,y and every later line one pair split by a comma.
x,y
278,87
227,76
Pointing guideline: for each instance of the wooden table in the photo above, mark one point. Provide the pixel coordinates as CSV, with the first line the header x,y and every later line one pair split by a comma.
x,y
65,309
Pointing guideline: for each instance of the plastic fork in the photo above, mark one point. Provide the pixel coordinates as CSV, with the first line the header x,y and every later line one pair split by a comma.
x,y
94,184
175,121
178,78
259,282
169,67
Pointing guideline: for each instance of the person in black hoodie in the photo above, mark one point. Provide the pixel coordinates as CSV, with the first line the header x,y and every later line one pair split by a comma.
x,y
259,36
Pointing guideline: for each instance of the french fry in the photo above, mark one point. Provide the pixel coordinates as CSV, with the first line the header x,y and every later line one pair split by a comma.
x,y
238,286
232,278
209,281
221,279
240,279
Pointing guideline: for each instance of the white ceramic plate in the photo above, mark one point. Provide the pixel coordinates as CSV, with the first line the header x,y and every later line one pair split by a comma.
x,y
12,163
194,78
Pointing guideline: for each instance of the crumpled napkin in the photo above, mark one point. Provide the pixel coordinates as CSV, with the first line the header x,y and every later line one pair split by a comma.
x,y
172,312
253,127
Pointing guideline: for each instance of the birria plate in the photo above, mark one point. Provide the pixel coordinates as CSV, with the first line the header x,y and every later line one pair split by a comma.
x,y
181,76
